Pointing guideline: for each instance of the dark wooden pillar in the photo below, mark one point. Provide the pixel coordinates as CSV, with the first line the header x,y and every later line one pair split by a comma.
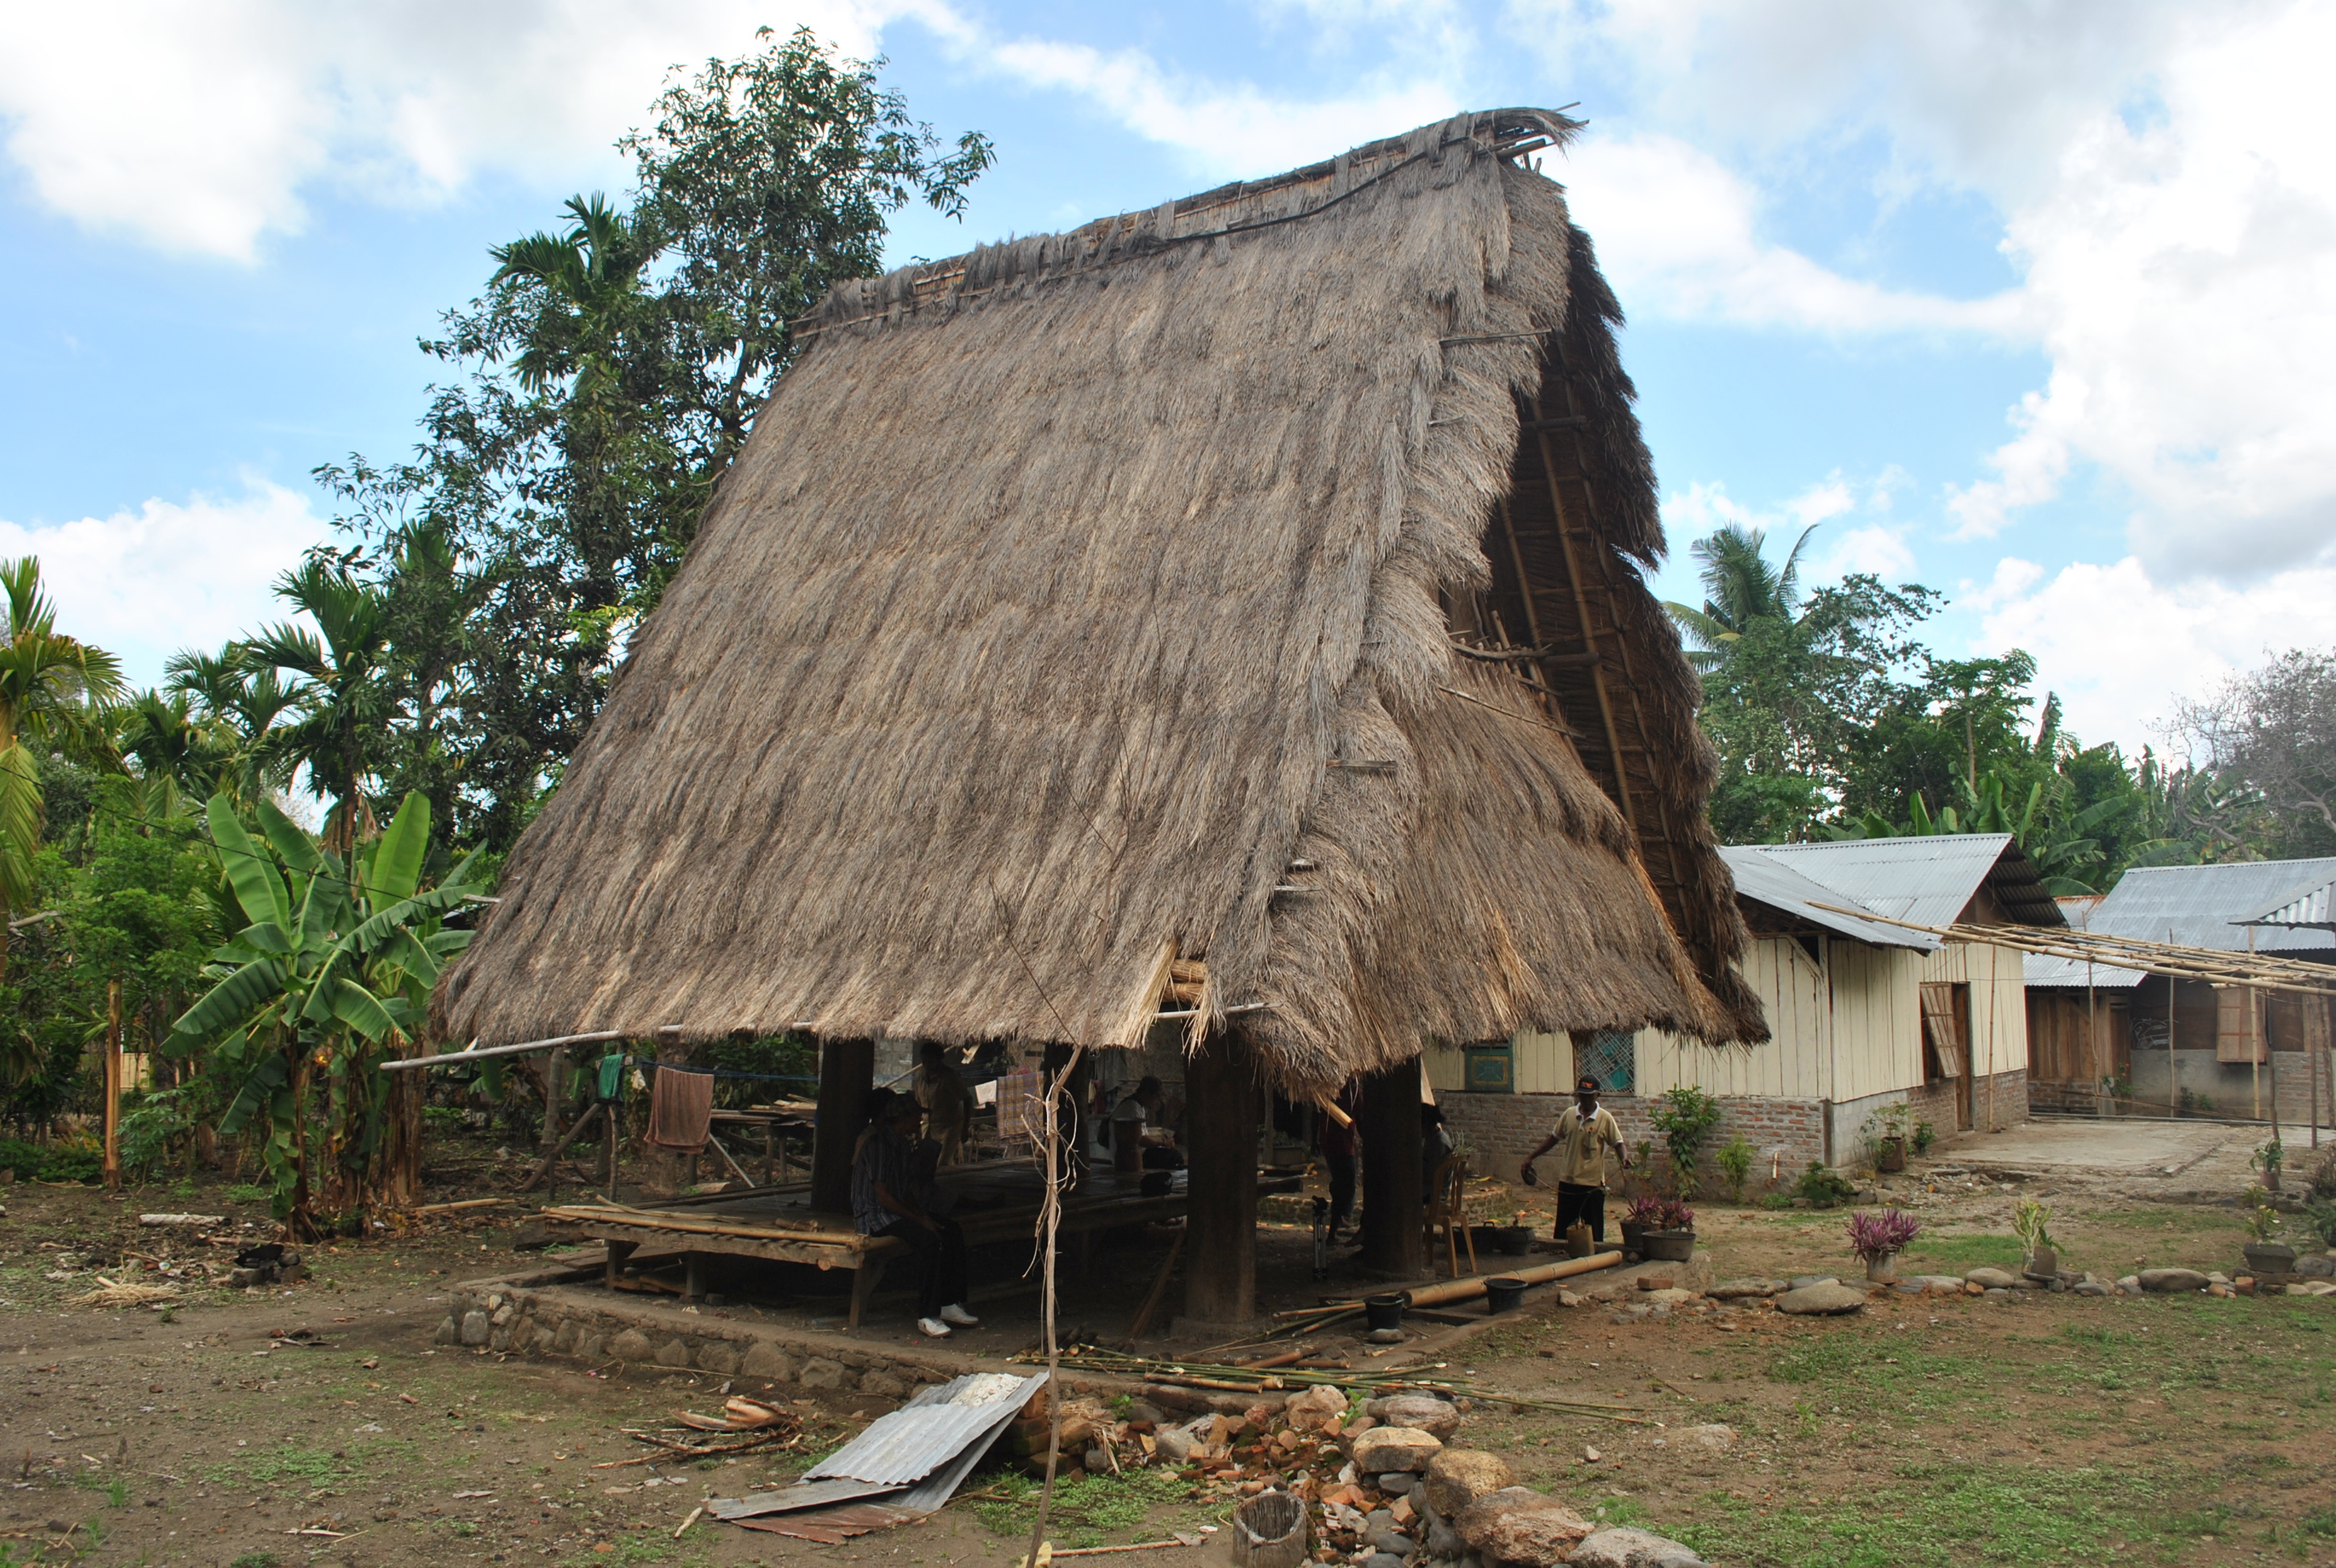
x,y
847,1071
1221,1249
1394,1239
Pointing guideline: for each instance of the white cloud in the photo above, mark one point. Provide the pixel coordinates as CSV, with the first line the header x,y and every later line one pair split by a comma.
x,y
1876,545
1679,233
1225,126
145,584
200,128
2121,647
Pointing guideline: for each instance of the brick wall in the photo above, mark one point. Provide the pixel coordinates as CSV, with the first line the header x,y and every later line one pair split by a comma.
x,y
1500,1130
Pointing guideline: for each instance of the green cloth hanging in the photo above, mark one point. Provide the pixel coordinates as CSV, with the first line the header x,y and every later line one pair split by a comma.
x,y
612,1075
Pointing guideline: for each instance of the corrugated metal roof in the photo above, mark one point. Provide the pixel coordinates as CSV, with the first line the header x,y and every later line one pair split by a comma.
x,y
2311,909
1764,879
924,1435
1929,878
2196,907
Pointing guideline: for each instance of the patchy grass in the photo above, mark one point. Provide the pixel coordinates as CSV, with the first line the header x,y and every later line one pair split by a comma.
x,y
1087,1508
1951,1254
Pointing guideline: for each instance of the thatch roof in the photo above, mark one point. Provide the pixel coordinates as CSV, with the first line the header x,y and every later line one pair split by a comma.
x,y
1092,599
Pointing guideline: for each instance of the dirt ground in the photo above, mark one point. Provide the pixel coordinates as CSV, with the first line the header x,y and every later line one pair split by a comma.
x,y
1927,1430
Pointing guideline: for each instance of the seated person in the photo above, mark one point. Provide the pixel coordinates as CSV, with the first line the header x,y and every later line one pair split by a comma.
x,y
1139,1139
885,1203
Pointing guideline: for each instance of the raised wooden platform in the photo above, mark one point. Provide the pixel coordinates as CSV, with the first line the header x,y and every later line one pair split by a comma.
x,y
996,1202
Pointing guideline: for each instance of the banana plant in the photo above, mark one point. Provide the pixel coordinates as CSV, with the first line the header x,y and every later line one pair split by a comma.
x,y
329,975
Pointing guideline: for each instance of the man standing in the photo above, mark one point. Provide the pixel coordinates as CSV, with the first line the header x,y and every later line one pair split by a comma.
x,y
1582,1137
885,1203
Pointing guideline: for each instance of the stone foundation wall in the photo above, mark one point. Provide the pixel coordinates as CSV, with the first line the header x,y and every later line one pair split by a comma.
x,y
1500,1130
549,1314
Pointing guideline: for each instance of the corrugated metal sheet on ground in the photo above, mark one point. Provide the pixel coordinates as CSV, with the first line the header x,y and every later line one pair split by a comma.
x,y
792,1499
2195,907
832,1526
1764,879
924,1435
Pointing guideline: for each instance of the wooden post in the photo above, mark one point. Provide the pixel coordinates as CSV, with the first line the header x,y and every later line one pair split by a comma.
x,y
847,1071
555,1096
112,1085
1221,1099
1394,1236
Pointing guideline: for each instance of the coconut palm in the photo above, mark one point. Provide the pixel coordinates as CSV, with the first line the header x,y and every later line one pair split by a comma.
x,y
241,705
1739,587
53,688
345,688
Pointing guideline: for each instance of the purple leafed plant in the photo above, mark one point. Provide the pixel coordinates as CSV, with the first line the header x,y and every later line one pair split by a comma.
x,y
1661,1213
1881,1233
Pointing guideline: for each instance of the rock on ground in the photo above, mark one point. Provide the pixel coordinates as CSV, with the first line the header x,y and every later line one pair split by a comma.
x,y
1516,1525
1627,1548
1458,1476
1318,1409
2171,1282
1420,1412
2316,1266
1385,1449
1713,1436
1739,1289
1825,1301
1991,1279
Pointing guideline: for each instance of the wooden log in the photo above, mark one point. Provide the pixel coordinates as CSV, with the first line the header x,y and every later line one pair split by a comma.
x,y
847,1072
1221,1092
1394,1236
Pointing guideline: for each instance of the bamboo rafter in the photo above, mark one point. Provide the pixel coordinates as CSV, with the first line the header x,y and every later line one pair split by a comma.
x,y
2263,972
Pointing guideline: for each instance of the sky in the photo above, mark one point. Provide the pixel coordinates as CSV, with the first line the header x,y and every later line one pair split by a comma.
x,y
2029,301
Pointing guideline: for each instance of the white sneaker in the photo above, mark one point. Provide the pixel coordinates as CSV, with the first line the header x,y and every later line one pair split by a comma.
x,y
932,1328
953,1313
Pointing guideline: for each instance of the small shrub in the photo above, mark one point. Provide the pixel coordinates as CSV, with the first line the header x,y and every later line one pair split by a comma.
x,y
1777,1200
1924,1136
1823,1188
2320,1216
245,1193
57,1162
1685,1119
1734,1162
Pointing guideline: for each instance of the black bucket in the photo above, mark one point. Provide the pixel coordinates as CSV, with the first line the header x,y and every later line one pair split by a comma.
x,y
1383,1311
1504,1293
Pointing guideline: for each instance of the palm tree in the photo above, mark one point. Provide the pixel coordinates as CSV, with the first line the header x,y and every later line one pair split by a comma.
x,y
1739,587
593,275
241,705
52,689
345,689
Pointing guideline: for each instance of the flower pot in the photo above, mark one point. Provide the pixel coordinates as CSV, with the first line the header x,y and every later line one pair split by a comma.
x,y
1504,1293
2271,1258
1667,1246
1633,1239
1381,1312
1889,1154
2043,1263
1509,1241
1882,1268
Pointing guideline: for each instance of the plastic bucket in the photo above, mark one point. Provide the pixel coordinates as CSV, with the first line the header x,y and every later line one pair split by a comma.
x,y
1504,1293
1383,1311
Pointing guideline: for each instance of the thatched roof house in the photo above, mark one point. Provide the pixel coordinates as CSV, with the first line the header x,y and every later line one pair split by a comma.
x,y
1100,602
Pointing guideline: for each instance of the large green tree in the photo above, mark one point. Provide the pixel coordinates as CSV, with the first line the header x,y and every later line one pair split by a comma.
x,y
602,382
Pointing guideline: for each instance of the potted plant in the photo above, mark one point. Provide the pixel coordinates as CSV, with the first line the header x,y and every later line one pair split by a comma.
x,y
1878,1236
1513,1239
1925,1136
1890,1145
2039,1259
2265,1255
1666,1229
2268,1159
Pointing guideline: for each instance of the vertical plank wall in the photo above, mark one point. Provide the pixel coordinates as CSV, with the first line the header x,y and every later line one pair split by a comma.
x,y
1796,1063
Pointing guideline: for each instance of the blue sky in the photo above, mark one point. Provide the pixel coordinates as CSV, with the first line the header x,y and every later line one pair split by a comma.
x,y
2028,302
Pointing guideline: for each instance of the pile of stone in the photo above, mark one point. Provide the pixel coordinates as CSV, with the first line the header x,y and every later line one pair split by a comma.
x,y
1384,1488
